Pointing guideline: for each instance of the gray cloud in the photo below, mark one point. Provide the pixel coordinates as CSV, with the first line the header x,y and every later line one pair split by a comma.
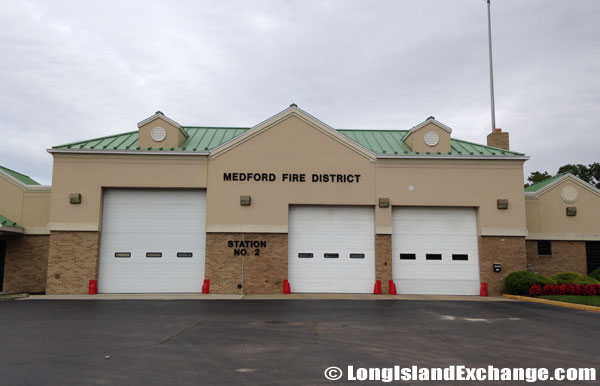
x,y
74,70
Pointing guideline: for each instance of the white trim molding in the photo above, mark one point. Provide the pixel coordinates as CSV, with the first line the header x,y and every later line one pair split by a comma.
x,y
74,227
9,229
508,232
37,230
564,236
128,152
246,228
455,157
381,230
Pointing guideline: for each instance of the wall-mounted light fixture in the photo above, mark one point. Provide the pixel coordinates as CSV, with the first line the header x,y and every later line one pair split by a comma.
x,y
571,211
502,203
245,200
75,198
384,202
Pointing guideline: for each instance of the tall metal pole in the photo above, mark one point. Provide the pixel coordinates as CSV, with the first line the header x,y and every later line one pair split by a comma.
x,y
491,67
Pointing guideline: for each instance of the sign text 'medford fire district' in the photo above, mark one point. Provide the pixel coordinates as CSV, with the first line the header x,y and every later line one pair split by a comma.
x,y
292,177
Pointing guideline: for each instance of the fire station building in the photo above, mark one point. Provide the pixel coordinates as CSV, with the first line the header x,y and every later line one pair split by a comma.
x,y
162,208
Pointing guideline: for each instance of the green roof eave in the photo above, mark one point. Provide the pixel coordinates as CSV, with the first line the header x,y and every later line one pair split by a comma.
x,y
19,177
539,185
201,140
6,222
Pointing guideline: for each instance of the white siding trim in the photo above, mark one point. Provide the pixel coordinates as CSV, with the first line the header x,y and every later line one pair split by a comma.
x,y
68,226
564,236
240,228
504,232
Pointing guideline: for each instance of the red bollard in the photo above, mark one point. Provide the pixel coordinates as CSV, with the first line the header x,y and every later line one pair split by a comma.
x,y
484,290
377,289
392,287
206,286
286,287
93,287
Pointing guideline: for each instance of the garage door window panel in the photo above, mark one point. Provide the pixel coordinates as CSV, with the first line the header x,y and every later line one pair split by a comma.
x,y
357,255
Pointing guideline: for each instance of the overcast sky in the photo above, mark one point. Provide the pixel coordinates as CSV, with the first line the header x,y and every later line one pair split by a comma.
x,y
73,70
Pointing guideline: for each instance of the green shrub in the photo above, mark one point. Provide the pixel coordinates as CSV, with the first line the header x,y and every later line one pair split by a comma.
x,y
573,278
518,283
595,274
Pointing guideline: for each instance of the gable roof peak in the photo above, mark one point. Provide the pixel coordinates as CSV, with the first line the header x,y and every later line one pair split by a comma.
x,y
161,115
547,184
430,119
294,110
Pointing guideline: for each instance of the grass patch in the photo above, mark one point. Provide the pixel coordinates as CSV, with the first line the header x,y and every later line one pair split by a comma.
x,y
587,300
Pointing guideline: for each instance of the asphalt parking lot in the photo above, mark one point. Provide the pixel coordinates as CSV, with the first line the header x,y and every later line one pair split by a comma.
x,y
278,342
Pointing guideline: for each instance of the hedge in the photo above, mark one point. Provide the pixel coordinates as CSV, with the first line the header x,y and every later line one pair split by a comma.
x,y
573,278
595,274
519,283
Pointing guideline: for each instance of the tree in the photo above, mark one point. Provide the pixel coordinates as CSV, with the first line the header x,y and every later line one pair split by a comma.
x,y
589,173
536,177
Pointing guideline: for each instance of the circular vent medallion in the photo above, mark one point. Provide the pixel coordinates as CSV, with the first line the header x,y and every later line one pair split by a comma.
x,y
432,138
158,134
569,194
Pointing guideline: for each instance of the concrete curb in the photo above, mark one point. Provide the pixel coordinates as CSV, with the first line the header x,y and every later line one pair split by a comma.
x,y
13,296
315,296
554,303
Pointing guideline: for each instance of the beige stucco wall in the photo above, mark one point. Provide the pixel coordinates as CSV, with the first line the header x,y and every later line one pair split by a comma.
x,y
291,146
416,139
547,219
11,199
295,146
88,174
28,206
36,211
468,183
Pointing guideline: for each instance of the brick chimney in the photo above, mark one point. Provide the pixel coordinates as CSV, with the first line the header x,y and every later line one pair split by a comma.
x,y
498,138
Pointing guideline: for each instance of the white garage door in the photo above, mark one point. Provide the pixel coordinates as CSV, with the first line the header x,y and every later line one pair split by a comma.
x,y
331,249
435,251
152,241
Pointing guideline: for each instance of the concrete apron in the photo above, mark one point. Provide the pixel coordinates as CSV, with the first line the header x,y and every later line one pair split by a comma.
x,y
195,296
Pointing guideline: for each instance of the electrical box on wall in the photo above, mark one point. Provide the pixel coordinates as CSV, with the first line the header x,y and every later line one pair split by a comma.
x,y
497,267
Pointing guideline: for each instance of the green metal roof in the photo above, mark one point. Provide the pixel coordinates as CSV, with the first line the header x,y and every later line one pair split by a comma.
x,y
6,222
391,142
21,177
541,184
202,139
